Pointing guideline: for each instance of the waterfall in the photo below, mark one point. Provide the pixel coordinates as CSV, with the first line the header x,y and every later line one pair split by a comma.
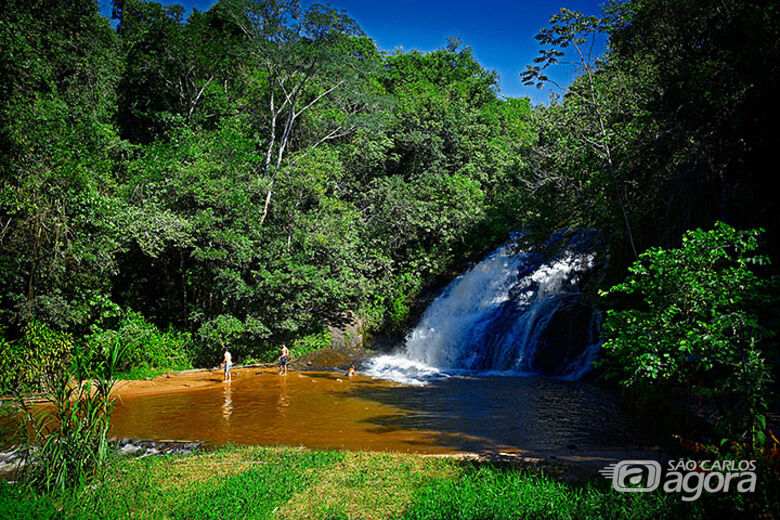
x,y
512,313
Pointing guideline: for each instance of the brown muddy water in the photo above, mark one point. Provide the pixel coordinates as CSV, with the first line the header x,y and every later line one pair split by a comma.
x,y
320,410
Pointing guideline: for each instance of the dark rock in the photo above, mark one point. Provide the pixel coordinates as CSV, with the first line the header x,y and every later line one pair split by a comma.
x,y
567,335
349,332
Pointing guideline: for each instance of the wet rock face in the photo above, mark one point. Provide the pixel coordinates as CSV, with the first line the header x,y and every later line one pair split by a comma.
x,y
337,358
348,332
565,338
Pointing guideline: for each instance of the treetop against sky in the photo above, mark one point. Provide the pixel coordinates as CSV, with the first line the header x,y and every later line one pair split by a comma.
x,y
501,32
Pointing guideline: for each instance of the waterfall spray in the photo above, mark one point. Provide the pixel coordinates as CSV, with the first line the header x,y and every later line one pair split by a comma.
x,y
511,313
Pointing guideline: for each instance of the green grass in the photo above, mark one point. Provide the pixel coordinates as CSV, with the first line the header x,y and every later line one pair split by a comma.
x,y
486,491
285,483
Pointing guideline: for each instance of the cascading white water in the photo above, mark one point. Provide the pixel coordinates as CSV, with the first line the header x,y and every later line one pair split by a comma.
x,y
498,318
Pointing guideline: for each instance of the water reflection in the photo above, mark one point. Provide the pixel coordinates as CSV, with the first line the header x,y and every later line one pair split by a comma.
x,y
283,400
227,401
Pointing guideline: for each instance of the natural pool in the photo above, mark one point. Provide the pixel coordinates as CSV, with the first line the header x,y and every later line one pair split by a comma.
x,y
530,415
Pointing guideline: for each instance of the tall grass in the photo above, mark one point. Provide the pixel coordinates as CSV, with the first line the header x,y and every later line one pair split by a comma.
x,y
65,439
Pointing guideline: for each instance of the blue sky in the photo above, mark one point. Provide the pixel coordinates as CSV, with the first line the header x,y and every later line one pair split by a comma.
x,y
501,32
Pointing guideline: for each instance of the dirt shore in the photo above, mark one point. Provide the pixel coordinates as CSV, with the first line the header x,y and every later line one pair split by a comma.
x,y
181,381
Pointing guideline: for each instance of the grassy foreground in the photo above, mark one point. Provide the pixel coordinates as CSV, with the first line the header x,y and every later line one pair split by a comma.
x,y
285,483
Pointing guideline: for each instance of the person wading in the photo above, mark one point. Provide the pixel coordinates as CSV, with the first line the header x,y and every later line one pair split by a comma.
x,y
283,358
228,362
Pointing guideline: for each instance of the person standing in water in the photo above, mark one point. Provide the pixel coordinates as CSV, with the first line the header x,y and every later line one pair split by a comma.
x,y
228,362
285,354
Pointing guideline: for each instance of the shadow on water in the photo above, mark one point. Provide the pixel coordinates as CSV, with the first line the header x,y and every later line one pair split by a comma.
x,y
487,414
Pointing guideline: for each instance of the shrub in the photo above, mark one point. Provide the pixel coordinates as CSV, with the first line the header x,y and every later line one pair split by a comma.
x,y
312,342
692,328
145,346
243,338
65,442
24,362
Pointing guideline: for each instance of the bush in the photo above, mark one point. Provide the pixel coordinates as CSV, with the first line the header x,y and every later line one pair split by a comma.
x,y
692,329
39,350
65,443
242,338
145,346
312,342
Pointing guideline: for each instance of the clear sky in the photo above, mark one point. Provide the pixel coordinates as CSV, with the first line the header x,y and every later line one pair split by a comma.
x,y
501,32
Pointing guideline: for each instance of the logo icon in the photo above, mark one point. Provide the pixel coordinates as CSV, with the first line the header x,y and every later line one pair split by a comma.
x,y
634,475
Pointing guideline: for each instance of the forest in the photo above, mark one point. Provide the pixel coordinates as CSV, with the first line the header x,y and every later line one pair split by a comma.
x,y
254,173
219,180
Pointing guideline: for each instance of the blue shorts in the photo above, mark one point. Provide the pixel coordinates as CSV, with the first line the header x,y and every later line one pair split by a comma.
x,y
227,367
283,361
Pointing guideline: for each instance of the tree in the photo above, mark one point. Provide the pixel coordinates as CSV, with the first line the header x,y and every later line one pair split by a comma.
x,y
60,65
177,71
570,29
692,325
305,57
710,71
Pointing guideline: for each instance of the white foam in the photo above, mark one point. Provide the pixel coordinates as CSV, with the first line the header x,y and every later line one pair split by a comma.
x,y
399,368
462,316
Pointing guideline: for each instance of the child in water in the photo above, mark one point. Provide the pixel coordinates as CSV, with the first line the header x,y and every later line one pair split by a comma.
x,y
228,362
351,371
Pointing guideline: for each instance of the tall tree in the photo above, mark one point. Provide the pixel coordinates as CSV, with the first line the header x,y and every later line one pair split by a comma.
x,y
177,71
59,64
307,57
710,71
572,31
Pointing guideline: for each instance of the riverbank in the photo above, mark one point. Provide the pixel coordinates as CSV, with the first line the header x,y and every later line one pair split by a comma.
x,y
289,483
174,382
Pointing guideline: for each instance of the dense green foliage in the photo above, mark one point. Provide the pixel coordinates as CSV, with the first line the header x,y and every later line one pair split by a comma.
x,y
144,345
669,130
243,182
249,183
254,173
40,350
286,483
696,330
